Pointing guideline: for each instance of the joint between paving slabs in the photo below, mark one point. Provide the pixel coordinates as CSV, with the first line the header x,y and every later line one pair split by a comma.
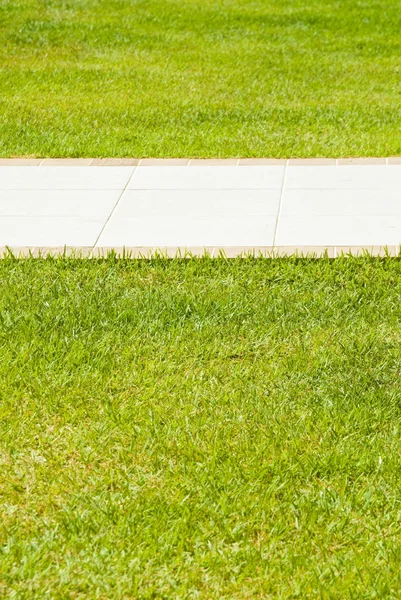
x,y
114,208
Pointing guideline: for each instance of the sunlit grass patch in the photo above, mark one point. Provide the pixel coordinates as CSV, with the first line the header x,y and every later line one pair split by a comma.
x,y
200,428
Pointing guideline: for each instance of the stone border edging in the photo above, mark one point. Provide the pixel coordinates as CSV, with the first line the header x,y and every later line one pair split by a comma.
x,y
198,251
122,162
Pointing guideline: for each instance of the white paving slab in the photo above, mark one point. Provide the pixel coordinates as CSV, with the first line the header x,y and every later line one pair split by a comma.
x,y
343,177
341,202
162,204
339,230
49,231
58,203
64,178
178,231
207,178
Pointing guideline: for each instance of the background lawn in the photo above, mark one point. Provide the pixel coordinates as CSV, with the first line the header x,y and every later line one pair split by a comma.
x,y
200,429
200,78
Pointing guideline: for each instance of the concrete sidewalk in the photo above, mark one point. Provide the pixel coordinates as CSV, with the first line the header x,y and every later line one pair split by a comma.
x,y
254,206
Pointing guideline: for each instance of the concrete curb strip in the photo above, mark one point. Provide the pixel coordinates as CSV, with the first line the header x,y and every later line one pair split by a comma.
x,y
207,162
199,251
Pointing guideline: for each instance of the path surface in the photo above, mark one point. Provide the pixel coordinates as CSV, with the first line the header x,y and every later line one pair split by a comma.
x,y
234,207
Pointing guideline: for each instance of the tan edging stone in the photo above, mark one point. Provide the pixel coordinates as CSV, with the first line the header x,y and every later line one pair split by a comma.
x,y
20,162
44,251
234,251
200,251
147,252
66,162
213,162
163,162
114,162
261,161
310,251
298,162
370,250
362,161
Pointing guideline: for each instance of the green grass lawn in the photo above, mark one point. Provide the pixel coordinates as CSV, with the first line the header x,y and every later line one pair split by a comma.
x,y
200,429
171,78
